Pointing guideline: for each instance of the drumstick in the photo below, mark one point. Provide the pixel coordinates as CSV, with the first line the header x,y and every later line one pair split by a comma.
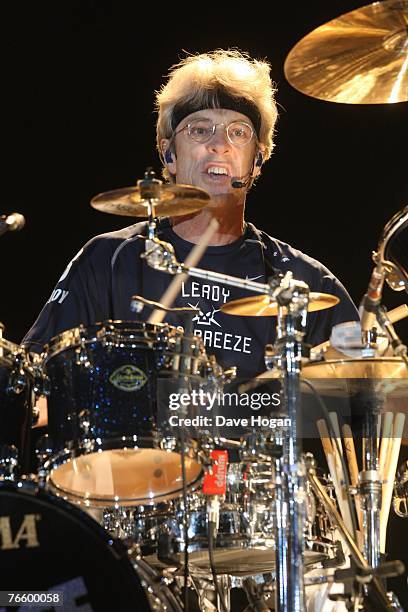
x,y
390,470
385,441
335,425
192,259
324,436
335,472
398,313
353,469
337,451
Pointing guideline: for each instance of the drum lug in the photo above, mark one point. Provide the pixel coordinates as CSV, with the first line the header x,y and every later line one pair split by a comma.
x,y
8,461
82,357
168,443
84,422
109,336
17,380
43,451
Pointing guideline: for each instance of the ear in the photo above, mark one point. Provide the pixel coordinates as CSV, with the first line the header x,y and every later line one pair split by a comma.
x,y
169,157
259,160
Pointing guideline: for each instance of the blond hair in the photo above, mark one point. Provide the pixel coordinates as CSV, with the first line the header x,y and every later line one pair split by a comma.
x,y
195,81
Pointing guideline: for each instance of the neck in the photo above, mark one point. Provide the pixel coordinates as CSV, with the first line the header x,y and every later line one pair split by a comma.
x,y
227,211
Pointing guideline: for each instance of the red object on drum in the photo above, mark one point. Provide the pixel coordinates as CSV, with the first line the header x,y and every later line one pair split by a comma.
x,y
215,480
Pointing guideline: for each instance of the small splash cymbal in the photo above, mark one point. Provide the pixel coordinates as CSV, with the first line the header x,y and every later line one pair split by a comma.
x,y
360,57
264,306
174,200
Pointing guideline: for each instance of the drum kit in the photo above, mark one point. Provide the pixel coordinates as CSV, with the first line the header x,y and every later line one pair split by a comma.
x,y
128,512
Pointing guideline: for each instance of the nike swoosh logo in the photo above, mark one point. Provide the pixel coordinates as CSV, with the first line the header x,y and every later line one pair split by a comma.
x,y
255,277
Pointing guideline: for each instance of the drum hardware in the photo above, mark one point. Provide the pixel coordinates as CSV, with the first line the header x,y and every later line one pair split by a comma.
x,y
18,371
8,462
357,58
291,299
375,589
391,251
400,501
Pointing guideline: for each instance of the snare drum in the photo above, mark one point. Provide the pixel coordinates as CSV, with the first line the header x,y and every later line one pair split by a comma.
x,y
109,445
16,404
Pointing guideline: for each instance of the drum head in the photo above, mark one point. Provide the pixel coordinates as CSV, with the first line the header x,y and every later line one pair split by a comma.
x,y
49,545
127,476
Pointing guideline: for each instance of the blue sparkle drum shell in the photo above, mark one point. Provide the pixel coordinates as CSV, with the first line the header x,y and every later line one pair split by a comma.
x,y
108,444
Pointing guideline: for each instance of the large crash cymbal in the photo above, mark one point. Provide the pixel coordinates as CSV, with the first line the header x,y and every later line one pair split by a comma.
x,y
175,200
360,57
264,306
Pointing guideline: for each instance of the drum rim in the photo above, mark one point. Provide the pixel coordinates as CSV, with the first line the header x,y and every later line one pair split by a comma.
x,y
99,502
74,336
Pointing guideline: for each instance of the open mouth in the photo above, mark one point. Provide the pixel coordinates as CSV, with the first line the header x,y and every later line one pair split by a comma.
x,y
217,172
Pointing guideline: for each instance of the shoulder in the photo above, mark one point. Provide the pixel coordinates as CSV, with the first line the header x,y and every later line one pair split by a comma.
x,y
106,247
285,257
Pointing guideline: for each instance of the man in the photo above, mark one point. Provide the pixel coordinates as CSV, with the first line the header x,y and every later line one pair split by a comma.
x,y
216,117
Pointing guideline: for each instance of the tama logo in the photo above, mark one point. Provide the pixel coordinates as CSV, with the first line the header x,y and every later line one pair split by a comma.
x,y
128,378
26,535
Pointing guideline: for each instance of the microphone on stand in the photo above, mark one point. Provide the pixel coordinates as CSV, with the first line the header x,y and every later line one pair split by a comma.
x,y
11,223
372,299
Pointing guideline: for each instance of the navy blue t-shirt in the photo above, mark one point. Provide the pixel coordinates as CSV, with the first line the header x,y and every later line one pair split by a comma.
x,y
100,281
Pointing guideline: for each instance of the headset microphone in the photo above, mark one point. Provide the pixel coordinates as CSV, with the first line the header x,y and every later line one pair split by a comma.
x,y
239,182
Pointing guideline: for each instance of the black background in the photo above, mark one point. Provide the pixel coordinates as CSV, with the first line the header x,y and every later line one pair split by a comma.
x,y
78,84
78,88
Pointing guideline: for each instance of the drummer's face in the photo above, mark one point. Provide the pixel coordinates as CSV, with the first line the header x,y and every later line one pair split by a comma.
x,y
212,164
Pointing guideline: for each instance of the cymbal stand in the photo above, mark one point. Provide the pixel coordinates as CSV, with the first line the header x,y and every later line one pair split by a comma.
x,y
370,487
293,298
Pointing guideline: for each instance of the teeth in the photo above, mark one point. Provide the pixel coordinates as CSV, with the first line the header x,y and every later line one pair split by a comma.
x,y
217,170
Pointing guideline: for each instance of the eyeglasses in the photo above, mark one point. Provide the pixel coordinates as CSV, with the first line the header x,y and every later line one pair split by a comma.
x,y
239,133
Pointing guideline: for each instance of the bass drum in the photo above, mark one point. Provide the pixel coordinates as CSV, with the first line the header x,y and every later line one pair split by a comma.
x,y
46,544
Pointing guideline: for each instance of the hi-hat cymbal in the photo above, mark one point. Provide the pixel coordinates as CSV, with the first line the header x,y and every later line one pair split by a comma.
x,y
264,306
360,57
175,200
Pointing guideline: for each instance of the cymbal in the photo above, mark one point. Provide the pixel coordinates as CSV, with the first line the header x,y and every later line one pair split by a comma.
x,y
175,200
264,306
360,57
371,367
346,377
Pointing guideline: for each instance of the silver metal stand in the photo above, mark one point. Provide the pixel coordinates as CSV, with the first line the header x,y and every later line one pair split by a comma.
x,y
293,299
